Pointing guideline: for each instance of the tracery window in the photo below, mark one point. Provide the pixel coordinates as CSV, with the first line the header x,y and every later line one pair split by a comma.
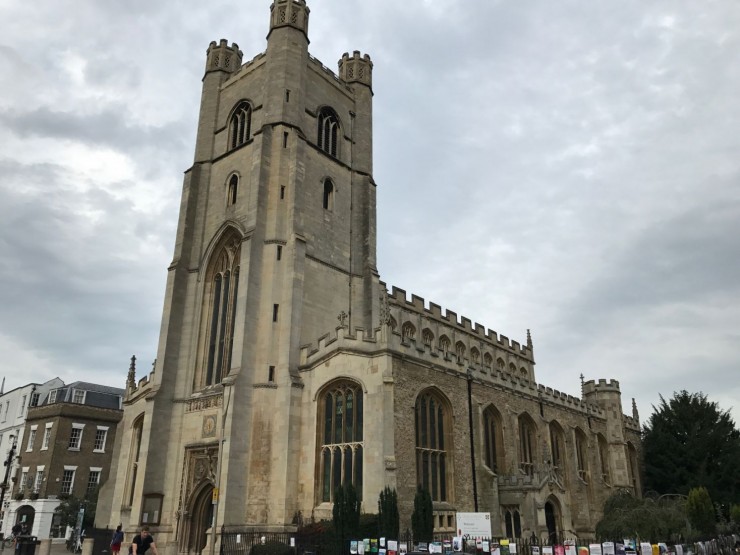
x,y
512,368
557,448
408,331
444,344
240,125
523,372
474,355
427,336
527,444
134,453
460,350
500,363
432,462
328,134
513,523
222,281
493,440
341,440
487,360
581,455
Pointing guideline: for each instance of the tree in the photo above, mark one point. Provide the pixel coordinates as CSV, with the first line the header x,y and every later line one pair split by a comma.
x,y
735,516
388,519
700,511
346,512
652,518
422,519
69,508
689,442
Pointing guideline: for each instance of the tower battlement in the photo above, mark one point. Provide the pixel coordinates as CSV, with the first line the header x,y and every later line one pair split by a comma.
x,y
222,57
356,69
602,386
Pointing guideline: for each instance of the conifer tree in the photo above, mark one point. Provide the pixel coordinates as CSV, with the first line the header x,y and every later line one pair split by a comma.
x,y
700,510
388,519
422,519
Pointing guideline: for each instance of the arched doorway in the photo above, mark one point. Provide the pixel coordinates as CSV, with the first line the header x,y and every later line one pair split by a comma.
x,y
201,515
552,520
25,515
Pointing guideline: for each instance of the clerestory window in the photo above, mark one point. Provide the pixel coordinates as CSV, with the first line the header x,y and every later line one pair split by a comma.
x,y
328,195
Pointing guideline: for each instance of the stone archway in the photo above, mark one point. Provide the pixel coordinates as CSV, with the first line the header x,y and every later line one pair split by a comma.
x,y
200,518
552,521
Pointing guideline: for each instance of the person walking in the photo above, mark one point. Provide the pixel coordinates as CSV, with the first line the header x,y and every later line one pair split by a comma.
x,y
116,540
143,542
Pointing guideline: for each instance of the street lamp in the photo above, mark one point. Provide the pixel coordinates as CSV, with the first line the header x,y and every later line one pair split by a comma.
x,y
8,464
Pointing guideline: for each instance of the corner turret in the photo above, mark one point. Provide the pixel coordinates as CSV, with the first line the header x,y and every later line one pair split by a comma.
x,y
289,13
222,57
356,69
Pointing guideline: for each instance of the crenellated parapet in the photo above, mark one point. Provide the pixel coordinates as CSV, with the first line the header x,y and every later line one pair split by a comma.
x,y
139,389
469,341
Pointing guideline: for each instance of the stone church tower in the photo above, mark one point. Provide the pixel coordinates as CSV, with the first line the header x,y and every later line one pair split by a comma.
x,y
285,368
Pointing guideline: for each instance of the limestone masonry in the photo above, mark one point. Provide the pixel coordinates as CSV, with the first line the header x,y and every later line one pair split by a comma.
x,y
286,368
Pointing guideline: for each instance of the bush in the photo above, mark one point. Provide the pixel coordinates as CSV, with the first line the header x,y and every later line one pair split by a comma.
x,y
700,510
422,519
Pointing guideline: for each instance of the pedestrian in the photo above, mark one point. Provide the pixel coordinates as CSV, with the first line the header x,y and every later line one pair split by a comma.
x,y
142,542
116,540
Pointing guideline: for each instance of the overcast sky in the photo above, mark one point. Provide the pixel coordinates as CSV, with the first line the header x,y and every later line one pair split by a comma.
x,y
571,167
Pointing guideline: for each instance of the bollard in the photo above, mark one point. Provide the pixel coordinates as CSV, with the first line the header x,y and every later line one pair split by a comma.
x,y
87,546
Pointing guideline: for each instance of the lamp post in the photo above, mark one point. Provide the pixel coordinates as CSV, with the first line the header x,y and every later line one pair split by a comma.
x,y
472,440
8,465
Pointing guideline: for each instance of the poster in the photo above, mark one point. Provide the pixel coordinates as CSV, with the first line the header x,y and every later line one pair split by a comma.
x,y
361,547
583,550
535,550
382,542
619,548
595,548
392,545
608,548
366,545
353,546
512,549
546,550
504,547
457,544
373,545
646,548
475,525
486,547
403,548
559,550
570,549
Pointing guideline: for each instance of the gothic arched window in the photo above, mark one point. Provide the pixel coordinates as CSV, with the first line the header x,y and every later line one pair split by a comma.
x,y
340,441
582,454
134,453
222,281
427,336
604,457
493,439
328,195
527,444
444,344
487,360
557,448
433,470
240,125
233,189
328,131
408,331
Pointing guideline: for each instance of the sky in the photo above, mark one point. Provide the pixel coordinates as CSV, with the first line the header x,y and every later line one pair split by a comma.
x,y
567,167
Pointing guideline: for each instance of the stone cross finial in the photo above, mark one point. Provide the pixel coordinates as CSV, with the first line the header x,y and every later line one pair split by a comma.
x,y
583,383
154,365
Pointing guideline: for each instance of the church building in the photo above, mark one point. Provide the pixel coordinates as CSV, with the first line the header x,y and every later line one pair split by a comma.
x,y
286,367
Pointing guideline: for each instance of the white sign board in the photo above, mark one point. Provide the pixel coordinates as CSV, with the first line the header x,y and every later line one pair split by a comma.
x,y
474,525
